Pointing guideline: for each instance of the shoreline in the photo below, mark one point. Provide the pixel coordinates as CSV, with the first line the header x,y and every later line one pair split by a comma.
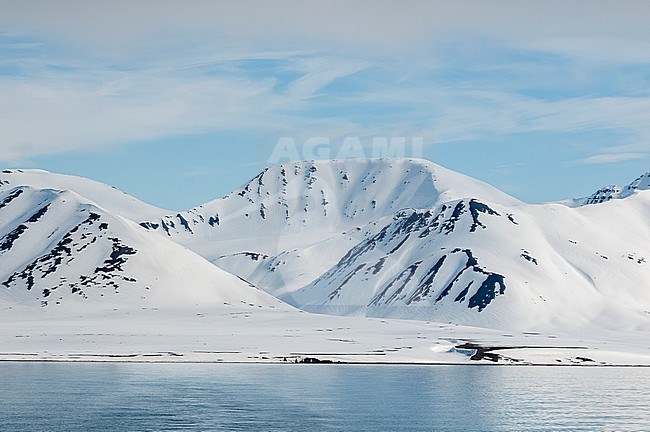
x,y
323,363
267,337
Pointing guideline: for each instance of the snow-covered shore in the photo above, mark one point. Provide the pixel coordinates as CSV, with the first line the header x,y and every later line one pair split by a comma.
x,y
234,334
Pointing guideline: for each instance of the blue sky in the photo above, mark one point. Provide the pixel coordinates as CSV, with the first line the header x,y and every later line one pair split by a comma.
x,y
179,103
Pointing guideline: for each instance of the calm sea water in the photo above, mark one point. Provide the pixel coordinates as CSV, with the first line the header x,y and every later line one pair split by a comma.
x,y
150,397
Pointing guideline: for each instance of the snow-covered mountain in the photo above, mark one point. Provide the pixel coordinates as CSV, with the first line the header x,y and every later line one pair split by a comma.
x,y
410,239
486,264
396,238
60,250
299,204
612,192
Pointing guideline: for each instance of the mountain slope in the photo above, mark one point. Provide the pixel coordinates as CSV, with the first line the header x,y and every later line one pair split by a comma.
x,y
532,267
60,250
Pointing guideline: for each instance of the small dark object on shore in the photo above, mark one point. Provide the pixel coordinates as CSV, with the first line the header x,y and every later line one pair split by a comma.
x,y
314,360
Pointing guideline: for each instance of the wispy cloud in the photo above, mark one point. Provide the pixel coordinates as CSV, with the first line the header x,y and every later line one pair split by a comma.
x,y
58,112
322,71
152,70
86,104
609,158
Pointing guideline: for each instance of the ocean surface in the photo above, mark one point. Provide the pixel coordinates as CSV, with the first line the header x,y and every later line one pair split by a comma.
x,y
214,397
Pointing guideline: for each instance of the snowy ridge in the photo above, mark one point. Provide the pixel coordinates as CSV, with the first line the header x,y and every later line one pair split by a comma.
x,y
612,192
103,195
300,203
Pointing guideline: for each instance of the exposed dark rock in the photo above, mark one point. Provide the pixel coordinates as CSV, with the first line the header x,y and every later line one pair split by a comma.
x,y
378,266
254,256
9,198
405,277
461,296
476,207
117,257
426,283
184,222
350,275
36,216
51,261
7,242
399,245
493,285
149,225
450,224
526,255
165,227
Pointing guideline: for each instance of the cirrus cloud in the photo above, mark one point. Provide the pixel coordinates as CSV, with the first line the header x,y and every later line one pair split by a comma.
x,y
608,158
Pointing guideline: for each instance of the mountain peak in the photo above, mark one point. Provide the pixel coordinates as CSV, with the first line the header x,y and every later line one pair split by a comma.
x,y
611,192
104,195
318,197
